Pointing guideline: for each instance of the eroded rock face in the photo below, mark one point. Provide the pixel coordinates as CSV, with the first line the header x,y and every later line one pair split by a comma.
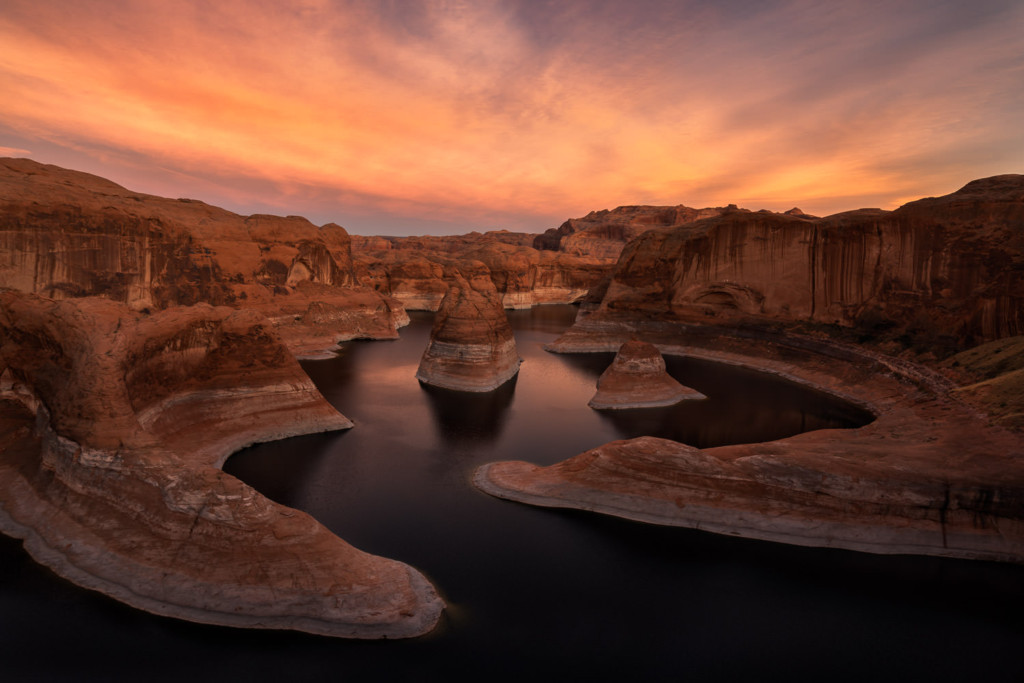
x,y
113,426
523,276
603,234
943,271
928,476
69,234
471,345
637,379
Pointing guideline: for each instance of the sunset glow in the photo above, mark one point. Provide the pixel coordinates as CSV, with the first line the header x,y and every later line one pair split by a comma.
x,y
448,116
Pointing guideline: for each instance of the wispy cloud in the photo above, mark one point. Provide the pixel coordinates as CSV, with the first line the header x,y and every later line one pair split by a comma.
x,y
527,112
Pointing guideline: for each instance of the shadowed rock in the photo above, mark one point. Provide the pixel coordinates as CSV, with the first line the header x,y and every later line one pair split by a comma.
x,y
928,476
113,427
471,345
66,234
637,379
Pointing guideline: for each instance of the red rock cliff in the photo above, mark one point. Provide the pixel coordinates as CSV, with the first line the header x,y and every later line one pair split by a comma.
x,y
951,266
112,430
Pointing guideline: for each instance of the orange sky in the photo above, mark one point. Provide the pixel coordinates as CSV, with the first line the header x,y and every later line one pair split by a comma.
x,y
449,116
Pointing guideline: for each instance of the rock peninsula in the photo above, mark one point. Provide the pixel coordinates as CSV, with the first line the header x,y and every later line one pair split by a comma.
x,y
471,345
637,379
113,427
861,305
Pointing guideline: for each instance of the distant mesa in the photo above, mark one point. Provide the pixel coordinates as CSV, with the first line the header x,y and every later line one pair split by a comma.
x,y
637,378
471,346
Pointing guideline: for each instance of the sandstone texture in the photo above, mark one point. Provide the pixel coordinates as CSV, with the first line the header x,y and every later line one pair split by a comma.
x,y
603,234
471,345
70,234
937,274
929,475
637,379
418,271
862,305
113,427
994,379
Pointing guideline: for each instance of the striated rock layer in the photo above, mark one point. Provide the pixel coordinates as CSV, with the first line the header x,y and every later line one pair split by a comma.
x,y
522,276
603,234
937,273
928,476
113,426
69,234
471,345
637,379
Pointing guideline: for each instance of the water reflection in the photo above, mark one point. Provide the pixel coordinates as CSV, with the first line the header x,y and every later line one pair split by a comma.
x,y
464,418
534,589
743,406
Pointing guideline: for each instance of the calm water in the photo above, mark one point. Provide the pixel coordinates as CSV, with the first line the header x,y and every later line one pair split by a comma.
x,y
539,593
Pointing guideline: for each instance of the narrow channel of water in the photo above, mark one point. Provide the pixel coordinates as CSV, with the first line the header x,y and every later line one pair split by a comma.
x,y
537,593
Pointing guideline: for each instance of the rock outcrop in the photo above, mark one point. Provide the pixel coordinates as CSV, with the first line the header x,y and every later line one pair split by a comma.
x,y
69,234
637,378
603,234
471,345
523,276
931,475
936,274
113,426
928,476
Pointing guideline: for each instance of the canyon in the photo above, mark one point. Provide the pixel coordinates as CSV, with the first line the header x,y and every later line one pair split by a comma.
x,y
115,427
146,339
782,293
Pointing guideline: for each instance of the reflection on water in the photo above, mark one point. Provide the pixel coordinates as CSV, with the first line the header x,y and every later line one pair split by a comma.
x,y
538,593
464,418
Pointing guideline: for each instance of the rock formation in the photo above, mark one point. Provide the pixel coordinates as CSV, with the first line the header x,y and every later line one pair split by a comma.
x,y
935,274
637,379
471,345
603,234
69,234
523,276
928,476
932,474
113,426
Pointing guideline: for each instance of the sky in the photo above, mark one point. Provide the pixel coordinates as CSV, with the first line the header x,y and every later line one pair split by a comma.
x,y
446,116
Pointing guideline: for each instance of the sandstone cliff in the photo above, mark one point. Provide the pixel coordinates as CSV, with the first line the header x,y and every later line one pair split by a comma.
x,y
523,276
637,378
471,345
603,234
938,273
69,234
113,426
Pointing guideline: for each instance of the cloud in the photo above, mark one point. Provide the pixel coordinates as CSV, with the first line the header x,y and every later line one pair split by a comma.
x,y
536,110
14,152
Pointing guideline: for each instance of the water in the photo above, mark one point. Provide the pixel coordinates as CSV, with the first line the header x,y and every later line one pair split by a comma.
x,y
539,593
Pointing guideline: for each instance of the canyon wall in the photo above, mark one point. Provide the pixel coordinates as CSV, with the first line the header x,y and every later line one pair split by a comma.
x,y
603,234
947,270
113,426
522,275
69,234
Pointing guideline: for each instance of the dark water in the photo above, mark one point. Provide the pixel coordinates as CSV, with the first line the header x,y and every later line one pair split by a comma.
x,y
536,593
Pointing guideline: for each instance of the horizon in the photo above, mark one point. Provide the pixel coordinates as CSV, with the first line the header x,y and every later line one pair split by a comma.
x,y
450,117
